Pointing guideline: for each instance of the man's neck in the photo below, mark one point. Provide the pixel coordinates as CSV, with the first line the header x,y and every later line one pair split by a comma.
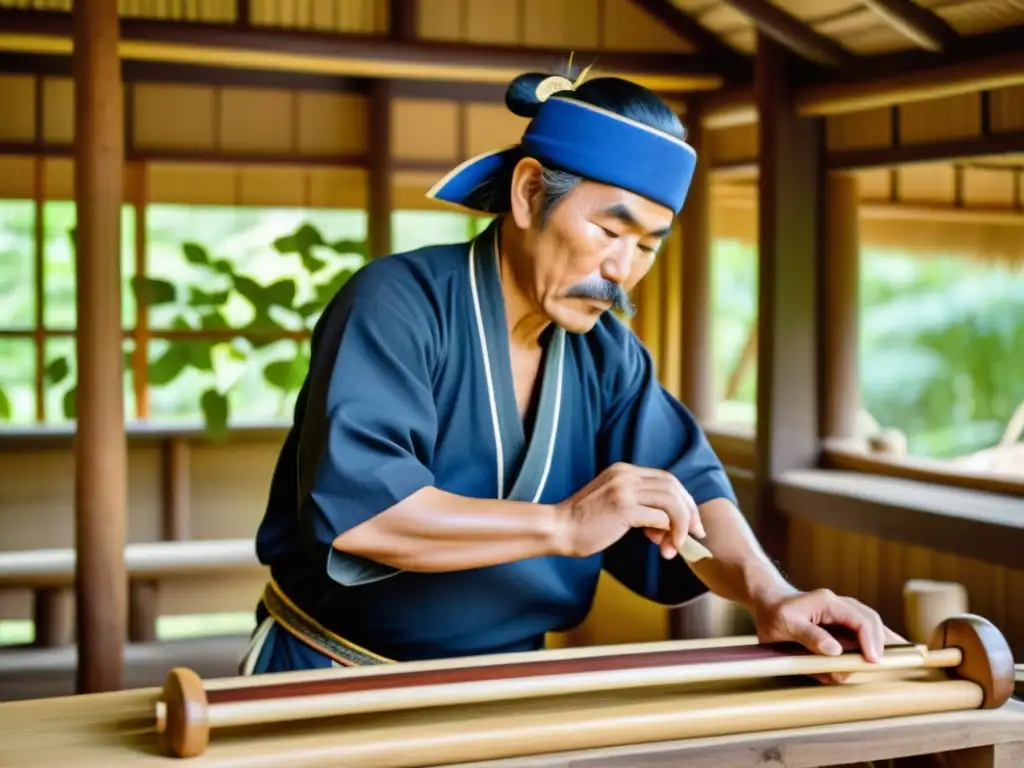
x,y
526,322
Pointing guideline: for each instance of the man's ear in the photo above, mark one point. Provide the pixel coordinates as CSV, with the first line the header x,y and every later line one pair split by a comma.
x,y
526,191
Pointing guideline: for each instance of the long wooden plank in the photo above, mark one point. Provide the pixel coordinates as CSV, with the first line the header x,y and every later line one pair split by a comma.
x,y
631,729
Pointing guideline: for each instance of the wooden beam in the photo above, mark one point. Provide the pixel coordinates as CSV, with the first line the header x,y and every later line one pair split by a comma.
x,y
923,26
794,34
979,63
789,250
728,60
352,55
927,152
100,449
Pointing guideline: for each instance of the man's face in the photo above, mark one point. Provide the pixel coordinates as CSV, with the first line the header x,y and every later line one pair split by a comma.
x,y
595,246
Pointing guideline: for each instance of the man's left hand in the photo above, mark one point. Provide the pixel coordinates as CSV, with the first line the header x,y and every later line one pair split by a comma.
x,y
800,617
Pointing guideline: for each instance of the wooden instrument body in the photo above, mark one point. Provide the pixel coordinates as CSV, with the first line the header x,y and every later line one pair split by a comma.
x,y
744,721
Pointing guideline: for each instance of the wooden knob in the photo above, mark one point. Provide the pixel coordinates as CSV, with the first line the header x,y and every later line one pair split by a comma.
x,y
926,603
182,718
987,659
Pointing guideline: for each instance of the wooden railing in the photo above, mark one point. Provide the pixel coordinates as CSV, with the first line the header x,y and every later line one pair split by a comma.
x,y
50,574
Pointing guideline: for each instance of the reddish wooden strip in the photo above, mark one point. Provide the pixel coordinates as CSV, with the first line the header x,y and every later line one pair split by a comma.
x,y
541,668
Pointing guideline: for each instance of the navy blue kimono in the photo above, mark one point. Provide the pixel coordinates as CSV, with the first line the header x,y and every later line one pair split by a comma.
x,y
411,386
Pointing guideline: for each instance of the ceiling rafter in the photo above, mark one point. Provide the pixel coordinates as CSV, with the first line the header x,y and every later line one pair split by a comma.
x,y
923,26
353,55
794,34
733,63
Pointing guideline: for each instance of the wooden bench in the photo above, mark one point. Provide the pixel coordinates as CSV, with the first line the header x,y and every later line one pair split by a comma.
x,y
50,574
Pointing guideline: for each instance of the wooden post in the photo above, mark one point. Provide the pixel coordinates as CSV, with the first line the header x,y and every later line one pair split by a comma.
x,y
52,610
698,383
699,618
789,246
379,170
841,391
100,450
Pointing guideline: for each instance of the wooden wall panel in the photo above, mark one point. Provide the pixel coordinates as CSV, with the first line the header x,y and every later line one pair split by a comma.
x,y
875,571
859,130
926,183
17,118
627,27
494,23
17,177
439,19
989,187
332,123
424,129
737,143
272,187
874,184
58,110
562,24
954,117
1006,109
256,120
491,126
349,16
338,188
565,25
174,116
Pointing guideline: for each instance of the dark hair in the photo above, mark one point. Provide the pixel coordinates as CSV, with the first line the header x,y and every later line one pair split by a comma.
x,y
611,93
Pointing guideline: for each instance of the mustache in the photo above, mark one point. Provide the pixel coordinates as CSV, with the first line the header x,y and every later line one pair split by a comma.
x,y
603,290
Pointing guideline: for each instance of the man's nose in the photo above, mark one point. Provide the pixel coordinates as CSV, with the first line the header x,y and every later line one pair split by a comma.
x,y
617,264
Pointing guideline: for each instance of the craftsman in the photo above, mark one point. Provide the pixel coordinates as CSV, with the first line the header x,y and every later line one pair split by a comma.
x,y
480,436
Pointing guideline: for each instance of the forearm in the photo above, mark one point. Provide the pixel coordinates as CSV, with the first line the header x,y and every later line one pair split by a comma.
x,y
436,531
739,569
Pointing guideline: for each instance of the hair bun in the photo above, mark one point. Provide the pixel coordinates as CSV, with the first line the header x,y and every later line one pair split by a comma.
x,y
527,92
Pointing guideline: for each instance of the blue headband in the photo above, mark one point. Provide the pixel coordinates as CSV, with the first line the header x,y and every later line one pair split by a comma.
x,y
593,143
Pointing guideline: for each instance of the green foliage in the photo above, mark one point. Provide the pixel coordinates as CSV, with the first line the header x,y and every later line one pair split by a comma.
x,y
199,305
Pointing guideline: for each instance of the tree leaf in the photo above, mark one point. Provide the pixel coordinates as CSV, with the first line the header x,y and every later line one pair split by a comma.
x,y
57,371
213,321
168,366
200,355
195,254
281,293
278,374
309,309
354,247
215,412
224,267
286,375
181,323
329,289
197,297
71,403
5,406
251,291
311,262
153,292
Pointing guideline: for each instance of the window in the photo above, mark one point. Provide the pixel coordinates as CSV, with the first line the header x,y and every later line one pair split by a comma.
x,y
734,332
942,355
216,321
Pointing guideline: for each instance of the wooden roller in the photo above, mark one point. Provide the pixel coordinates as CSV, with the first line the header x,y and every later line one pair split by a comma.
x,y
964,648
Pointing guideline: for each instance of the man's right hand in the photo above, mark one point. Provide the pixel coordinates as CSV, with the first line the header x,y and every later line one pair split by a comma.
x,y
625,496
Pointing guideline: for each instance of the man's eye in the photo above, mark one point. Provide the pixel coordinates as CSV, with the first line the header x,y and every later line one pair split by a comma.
x,y
609,233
